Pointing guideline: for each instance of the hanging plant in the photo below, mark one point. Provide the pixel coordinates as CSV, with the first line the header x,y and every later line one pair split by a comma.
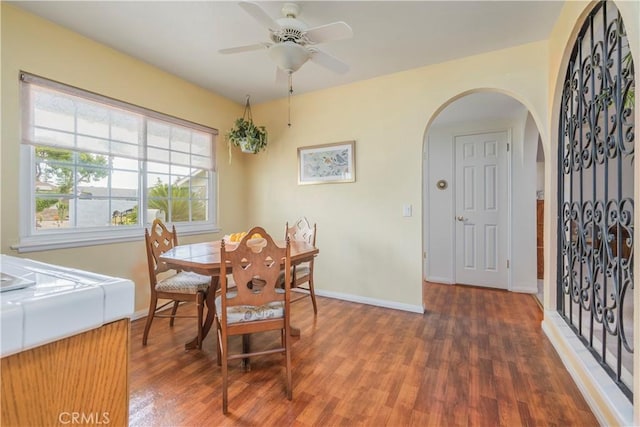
x,y
246,135
630,96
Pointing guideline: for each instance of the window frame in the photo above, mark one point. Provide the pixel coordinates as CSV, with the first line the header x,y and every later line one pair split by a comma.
x,y
31,240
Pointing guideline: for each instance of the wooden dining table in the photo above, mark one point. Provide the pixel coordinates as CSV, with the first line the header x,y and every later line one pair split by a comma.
x,y
204,258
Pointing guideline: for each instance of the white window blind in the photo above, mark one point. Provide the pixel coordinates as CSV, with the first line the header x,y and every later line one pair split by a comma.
x,y
64,117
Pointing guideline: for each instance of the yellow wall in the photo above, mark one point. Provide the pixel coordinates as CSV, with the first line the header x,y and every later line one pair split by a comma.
x,y
40,47
367,247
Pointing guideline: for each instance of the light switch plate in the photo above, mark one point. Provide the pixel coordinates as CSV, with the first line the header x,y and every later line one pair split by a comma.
x,y
407,210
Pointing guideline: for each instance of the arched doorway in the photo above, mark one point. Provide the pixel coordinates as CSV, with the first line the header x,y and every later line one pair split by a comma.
x,y
459,247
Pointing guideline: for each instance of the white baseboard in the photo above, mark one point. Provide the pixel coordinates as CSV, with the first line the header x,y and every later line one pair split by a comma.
x,y
521,288
371,301
140,314
606,400
443,280
525,289
145,311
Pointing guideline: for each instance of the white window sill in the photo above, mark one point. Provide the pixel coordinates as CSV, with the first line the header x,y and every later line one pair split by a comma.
x,y
77,240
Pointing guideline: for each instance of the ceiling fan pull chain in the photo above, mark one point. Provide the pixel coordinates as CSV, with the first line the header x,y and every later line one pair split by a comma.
x,y
290,92
247,111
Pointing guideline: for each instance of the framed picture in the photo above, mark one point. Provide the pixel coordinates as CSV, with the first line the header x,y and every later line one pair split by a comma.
x,y
327,163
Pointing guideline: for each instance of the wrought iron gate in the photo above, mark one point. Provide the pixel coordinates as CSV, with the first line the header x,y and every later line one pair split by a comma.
x,y
595,194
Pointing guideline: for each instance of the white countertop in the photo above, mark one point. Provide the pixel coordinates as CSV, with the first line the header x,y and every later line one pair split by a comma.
x,y
57,303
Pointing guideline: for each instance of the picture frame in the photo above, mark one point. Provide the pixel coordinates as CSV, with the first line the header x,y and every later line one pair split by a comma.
x,y
327,163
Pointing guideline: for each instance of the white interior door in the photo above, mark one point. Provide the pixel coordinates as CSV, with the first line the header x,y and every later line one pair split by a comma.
x,y
481,209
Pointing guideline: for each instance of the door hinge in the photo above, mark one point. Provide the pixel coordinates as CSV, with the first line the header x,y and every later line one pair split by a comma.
x,y
508,145
507,263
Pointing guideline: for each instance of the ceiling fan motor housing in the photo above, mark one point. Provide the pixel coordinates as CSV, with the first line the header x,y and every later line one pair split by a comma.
x,y
291,30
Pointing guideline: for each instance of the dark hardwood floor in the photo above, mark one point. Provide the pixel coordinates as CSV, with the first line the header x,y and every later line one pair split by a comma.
x,y
476,357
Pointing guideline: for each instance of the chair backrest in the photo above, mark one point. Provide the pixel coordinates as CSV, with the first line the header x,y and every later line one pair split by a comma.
x,y
612,238
158,240
302,230
255,265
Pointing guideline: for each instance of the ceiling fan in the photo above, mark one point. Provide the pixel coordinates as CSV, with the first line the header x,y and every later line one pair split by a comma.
x,y
292,42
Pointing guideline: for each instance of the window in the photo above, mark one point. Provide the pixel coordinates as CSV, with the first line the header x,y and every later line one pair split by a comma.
x,y
95,170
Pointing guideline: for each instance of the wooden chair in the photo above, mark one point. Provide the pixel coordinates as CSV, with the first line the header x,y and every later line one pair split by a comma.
x,y
612,238
303,273
179,287
256,304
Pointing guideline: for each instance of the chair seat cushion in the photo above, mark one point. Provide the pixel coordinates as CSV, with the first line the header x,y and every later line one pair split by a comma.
x,y
301,271
250,313
184,282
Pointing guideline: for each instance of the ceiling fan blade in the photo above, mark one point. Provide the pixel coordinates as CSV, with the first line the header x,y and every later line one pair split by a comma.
x,y
259,14
329,32
246,48
329,61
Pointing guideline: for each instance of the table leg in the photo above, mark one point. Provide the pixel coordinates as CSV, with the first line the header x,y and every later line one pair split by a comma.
x,y
211,312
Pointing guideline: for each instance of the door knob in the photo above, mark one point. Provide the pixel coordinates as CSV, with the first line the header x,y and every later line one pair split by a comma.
x,y
460,218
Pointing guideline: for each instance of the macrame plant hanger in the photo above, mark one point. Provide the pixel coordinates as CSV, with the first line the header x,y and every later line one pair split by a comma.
x,y
247,111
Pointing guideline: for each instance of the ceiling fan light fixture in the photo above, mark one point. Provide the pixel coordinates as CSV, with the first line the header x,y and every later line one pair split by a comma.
x,y
289,56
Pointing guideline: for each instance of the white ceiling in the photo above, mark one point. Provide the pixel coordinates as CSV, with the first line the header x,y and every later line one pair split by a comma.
x,y
183,37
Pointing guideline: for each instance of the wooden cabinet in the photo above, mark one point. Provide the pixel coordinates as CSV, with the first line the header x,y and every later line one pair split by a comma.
x,y
82,379
540,236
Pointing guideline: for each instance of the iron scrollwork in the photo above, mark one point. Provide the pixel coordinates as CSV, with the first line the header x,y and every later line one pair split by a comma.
x,y
595,193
